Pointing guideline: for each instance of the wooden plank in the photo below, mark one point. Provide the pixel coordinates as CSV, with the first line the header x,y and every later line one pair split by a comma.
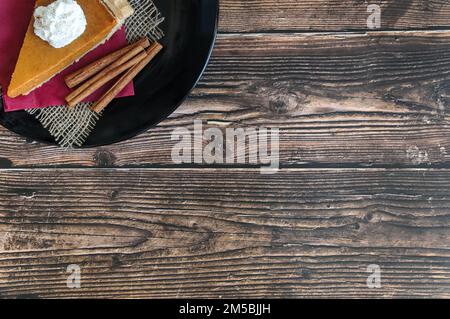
x,y
224,232
326,15
358,99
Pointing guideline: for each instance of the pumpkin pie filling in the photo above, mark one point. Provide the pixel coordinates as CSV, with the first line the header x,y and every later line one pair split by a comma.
x,y
39,62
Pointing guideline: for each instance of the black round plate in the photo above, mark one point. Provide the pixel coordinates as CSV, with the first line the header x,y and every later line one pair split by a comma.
x,y
190,28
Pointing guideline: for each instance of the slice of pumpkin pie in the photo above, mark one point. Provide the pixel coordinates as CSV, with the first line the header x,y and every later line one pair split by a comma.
x,y
60,33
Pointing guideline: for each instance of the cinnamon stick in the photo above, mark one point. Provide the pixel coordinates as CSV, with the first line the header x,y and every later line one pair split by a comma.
x,y
126,78
102,78
74,79
87,86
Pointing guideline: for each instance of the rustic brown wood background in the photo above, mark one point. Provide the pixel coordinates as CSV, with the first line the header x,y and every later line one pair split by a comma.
x,y
365,179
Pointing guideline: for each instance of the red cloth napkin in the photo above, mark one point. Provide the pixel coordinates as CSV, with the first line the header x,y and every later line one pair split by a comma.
x,y
14,19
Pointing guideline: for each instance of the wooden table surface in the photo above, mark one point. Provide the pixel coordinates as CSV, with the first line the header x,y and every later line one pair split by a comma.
x,y
365,171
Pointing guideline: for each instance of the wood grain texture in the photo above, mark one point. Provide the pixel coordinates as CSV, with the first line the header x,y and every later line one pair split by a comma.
x,y
344,101
224,232
353,99
330,15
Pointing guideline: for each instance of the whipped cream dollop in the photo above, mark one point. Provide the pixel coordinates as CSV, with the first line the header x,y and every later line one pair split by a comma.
x,y
60,23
